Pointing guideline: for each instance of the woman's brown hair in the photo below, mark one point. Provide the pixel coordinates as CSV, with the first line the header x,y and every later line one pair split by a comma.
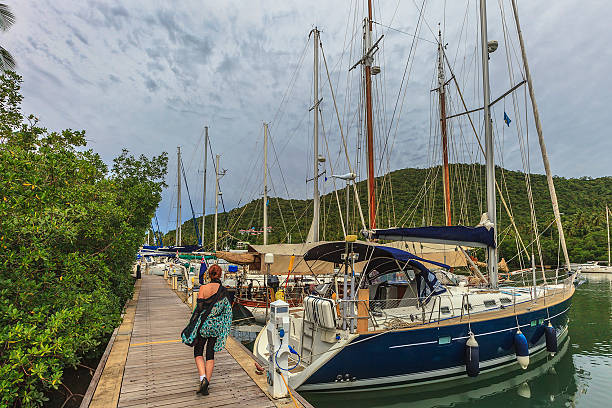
x,y
214,272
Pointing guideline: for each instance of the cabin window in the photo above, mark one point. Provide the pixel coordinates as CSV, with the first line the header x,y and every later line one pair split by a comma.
x,y
444,340
505,301
445,310
489,303
541,322
534,323
467,306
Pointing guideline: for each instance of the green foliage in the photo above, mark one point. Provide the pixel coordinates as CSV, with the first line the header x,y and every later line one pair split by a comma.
x,y
7,19
417,200
69,232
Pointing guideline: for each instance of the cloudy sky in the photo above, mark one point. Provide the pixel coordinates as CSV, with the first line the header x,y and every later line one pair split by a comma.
x,y
149,75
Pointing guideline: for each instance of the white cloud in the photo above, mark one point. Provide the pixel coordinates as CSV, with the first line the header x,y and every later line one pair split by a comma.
x,y
148,76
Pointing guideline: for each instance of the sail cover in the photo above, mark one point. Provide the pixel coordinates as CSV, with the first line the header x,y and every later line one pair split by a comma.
x,y
480,236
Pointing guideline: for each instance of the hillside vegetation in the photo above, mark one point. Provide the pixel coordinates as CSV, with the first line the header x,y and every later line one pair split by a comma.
x,y
582,202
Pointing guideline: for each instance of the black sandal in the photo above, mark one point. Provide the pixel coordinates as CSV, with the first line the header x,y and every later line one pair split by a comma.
x,y
203,387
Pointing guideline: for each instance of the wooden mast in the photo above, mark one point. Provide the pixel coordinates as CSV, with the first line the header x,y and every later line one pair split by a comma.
x,y
442,94
368,59
536,117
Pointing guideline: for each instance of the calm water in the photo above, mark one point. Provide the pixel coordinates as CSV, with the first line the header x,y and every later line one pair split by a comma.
x,y
580,375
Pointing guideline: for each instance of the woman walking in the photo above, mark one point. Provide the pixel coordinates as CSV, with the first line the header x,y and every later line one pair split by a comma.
x,y
209,326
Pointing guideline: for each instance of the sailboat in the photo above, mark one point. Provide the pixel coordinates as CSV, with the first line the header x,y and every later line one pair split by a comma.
x,y
393,323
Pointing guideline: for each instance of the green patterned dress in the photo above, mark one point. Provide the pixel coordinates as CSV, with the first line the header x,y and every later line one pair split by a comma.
x,y
216,324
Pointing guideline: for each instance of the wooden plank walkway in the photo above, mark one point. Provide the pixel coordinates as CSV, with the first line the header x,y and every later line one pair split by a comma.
x,y
159,371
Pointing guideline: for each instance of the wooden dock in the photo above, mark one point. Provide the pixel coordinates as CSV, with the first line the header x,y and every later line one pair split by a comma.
x,y
148,366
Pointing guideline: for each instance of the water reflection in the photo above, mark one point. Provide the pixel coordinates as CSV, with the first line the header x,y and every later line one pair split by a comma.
x,y
578,376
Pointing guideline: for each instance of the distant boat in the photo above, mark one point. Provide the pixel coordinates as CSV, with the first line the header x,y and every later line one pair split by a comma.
x,y
595,267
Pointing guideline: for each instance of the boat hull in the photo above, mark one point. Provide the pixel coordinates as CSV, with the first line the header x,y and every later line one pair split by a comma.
x,y
433,354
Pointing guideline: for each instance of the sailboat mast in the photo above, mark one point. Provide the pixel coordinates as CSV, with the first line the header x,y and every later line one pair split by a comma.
x,y
265,194
536,116
368,60
489,147
204,194
316,198
608,229
216,198
177,239
442,94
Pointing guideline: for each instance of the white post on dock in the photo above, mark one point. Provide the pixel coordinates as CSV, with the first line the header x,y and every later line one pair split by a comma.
x,y
194,298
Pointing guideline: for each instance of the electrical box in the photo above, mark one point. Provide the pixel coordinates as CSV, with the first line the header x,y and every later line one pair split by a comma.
x,y
277,330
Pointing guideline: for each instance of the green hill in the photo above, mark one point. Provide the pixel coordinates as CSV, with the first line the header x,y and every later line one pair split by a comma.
x,y
413,197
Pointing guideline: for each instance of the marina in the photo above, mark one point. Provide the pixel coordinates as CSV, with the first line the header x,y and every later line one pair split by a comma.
x,y
372,203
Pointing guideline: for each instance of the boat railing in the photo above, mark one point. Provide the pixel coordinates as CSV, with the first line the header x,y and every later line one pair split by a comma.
x,y
411,311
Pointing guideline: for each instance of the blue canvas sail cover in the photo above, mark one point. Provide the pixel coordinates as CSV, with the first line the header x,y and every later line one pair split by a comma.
x,y
175,249
480,236
381,260
151,247
150,254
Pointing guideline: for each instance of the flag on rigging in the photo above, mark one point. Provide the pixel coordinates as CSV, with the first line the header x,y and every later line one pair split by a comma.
x,y
507,119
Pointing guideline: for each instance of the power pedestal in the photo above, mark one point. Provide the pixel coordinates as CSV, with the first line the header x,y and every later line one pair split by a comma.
x,y
278,347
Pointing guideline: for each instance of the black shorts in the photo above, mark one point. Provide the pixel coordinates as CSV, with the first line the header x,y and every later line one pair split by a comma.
x,y
200,343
